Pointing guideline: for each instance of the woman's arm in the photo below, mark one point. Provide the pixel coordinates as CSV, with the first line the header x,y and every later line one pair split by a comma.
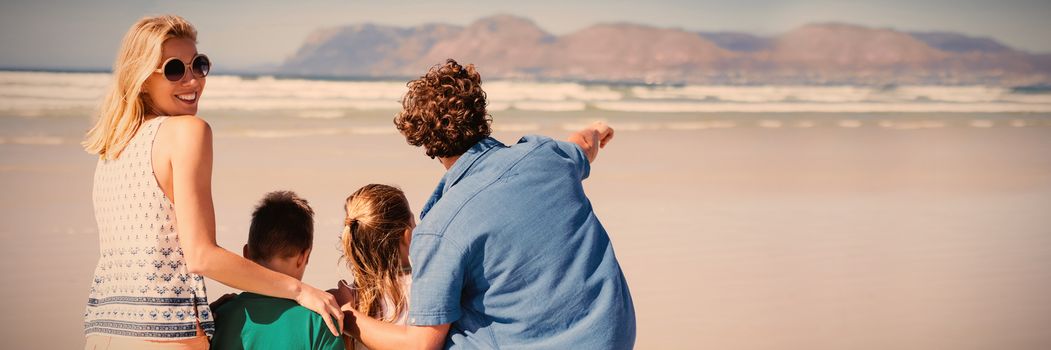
x,y
191,175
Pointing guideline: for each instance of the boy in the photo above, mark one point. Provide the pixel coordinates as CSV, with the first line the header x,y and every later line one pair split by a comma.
x,y
280,238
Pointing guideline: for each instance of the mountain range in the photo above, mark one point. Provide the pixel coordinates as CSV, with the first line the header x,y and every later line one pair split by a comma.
x,y
510,47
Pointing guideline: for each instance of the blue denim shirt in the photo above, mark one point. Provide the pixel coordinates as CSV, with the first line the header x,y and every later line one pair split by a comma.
x,y
508,250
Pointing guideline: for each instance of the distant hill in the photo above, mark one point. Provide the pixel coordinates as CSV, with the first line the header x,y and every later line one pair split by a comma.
x,y
955,42
506,46
735,41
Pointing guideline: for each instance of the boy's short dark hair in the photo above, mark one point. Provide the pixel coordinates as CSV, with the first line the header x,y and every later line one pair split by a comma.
x,y
282,226
444,110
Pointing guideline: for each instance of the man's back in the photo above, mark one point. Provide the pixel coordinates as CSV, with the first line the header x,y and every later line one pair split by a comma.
x,y
529,263
253,321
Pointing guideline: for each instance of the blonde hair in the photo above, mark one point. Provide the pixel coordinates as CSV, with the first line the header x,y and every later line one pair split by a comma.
x,y
125,106
377,217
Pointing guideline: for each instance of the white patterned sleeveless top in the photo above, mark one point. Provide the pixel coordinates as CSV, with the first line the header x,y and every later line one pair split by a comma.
x,y
142,287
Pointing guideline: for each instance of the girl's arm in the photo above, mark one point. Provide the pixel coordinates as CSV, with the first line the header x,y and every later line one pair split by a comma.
x,y
191,177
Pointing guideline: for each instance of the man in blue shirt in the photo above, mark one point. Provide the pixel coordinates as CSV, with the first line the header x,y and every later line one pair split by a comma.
x,y
508,252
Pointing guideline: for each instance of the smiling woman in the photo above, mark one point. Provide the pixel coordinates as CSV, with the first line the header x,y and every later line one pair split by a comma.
x,y
184,81
153,203
174,91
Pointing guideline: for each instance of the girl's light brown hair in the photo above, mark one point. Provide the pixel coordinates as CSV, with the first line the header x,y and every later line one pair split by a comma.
x,y
125,106
377,217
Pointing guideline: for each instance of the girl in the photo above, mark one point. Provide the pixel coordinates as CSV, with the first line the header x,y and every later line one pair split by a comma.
x,y
375,241
153,203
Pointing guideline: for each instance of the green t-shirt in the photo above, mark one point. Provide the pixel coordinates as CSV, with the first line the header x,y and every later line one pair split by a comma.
x,y
253,321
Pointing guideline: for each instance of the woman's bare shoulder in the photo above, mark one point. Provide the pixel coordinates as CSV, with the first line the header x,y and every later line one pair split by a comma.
x,y
187,123
184,133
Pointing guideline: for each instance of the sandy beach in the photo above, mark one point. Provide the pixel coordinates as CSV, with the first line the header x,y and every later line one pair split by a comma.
x,y
768,234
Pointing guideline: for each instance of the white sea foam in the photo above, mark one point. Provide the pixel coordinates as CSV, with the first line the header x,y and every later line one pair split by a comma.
x,y
754,94
516,127
790,107
221,87
35,140
55,79
962,94
291,103
34,93
1027,98
549,106
373,130
498,106
282,133
837,94
520,91
321,114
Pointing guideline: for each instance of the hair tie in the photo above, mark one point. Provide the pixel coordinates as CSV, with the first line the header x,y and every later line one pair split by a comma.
x,y
351,225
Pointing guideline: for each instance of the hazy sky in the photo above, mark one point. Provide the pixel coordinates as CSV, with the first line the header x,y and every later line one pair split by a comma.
x,y
241,34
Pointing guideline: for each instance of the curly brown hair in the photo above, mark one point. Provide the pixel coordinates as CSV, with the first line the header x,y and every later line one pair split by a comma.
x,y
444,110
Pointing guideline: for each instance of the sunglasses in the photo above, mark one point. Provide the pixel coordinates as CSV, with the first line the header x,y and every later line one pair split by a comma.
x,y
174,69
